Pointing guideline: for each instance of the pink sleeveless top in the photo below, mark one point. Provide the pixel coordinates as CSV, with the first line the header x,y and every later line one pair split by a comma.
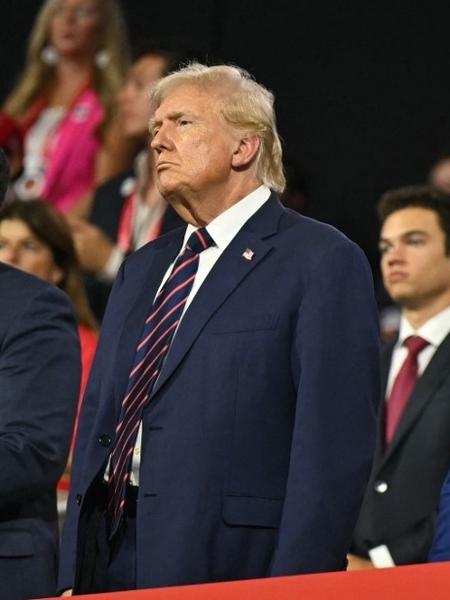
x,y
72,150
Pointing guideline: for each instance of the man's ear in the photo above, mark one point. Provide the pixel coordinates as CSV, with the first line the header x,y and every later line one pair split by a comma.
x,y
245,151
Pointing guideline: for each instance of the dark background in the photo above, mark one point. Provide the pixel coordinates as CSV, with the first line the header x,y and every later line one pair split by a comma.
x,y
362,91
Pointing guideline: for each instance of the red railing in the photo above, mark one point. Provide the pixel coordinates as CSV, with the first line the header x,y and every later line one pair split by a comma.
x,y
417,582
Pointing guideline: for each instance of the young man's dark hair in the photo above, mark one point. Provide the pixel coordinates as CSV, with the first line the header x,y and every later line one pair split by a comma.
x,y
4,175
419,196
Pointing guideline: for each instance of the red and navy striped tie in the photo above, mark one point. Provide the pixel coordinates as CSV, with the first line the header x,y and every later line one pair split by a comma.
x,y
158,332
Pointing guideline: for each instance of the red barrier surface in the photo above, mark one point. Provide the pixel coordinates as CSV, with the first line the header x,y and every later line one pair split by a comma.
x,y
417,582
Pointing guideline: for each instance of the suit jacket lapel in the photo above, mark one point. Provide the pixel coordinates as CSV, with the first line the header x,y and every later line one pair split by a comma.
x,y
426,386
164,252
227,273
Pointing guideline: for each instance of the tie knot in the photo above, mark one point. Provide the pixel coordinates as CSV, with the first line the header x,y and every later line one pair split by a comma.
x,y
199,240
415,344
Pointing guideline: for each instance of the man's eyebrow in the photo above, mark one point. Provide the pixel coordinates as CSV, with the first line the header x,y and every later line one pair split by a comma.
x,y
173,116
415,231
412,232
405,234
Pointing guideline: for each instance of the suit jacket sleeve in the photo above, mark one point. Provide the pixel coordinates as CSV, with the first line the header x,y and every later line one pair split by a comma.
x,y
336,362
88,412
39,383
407,550
440,549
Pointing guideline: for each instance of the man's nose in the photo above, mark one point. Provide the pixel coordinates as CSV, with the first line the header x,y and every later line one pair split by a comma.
x,y
156,141
124,93
160,139
394,254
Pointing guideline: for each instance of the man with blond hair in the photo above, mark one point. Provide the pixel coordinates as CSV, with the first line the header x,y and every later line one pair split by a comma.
x,y
229,422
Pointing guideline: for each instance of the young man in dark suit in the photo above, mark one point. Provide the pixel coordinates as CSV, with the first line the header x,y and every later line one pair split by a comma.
x,y
412,456
229,422
39,383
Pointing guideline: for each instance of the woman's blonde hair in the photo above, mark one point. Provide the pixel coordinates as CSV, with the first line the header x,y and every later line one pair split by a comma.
x,y
245,106
37,75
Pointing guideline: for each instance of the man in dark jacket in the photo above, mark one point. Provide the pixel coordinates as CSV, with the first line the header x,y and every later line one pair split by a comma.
x,y
412,456
39,382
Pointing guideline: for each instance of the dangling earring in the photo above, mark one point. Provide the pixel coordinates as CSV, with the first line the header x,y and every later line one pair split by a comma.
x,y
102,59
49,56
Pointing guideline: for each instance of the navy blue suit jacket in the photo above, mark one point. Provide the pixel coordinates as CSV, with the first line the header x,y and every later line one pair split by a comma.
x,y
39,382
440,549
258,440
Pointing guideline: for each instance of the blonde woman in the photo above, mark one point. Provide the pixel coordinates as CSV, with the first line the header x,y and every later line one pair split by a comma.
x,y
65,102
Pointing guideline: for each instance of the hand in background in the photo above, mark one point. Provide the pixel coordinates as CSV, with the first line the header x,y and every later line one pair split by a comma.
x,y
92,245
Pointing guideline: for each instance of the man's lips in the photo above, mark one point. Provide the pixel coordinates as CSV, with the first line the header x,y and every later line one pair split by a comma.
x,y
163,164
396,277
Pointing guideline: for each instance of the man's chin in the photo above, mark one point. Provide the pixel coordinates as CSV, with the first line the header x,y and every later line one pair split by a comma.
x,y
167,189
405,299
173,198
398,293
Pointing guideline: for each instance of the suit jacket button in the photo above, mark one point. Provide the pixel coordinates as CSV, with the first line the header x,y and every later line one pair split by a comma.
x,y
381,487
78,499
104,440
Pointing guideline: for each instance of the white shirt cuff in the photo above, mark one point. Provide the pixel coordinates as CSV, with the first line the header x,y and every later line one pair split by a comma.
x,y
381,557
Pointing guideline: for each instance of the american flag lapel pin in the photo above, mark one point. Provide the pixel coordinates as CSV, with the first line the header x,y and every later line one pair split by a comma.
x,y
248,254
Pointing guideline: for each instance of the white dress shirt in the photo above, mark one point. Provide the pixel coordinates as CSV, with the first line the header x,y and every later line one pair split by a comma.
x,y
434,331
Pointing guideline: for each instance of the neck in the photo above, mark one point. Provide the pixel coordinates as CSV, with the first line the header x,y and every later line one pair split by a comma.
x,y
69,67
417,316
71,76
201,209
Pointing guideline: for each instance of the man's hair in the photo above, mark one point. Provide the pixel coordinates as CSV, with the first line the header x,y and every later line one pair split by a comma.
x,y
172,57
418,196
245,106
4,175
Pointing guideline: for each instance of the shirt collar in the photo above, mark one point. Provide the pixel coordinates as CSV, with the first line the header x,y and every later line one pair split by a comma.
x,y
434,331
224,227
